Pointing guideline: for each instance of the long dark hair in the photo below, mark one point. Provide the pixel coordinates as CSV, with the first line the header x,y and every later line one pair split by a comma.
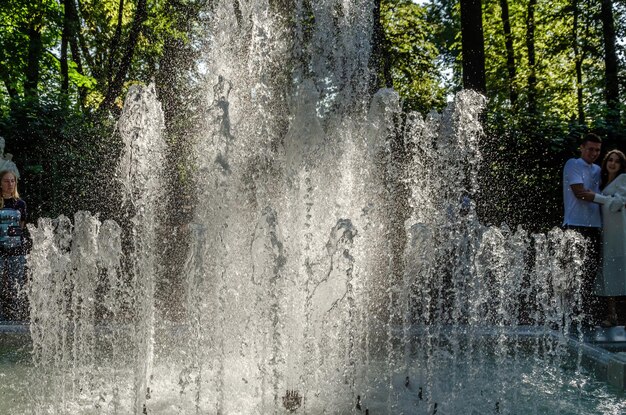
x,y
604,173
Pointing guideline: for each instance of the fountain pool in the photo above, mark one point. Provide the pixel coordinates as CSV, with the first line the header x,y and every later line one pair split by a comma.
x,y
488,371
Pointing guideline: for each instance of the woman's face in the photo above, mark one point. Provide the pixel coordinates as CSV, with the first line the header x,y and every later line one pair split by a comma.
x,y
8,184
613,164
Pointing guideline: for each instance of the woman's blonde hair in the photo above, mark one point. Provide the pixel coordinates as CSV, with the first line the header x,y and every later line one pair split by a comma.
x,y
16,194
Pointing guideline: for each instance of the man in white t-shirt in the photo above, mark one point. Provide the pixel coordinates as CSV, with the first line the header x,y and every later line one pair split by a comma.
x,y
581,181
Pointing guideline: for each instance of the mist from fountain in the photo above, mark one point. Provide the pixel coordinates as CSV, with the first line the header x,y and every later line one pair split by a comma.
x,y
323,268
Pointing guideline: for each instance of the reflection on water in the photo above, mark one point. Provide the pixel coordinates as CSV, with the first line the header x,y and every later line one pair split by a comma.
x,y
485,372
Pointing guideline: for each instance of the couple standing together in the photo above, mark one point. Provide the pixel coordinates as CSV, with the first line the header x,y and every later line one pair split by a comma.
x,y
594,199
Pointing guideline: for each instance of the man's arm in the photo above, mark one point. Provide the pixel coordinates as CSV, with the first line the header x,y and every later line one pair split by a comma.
x,y
581,193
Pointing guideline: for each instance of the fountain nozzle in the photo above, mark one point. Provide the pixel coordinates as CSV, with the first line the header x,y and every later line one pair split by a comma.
x,y
292,400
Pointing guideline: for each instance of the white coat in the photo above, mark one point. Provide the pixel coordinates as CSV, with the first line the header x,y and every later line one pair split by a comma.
x,y
612,279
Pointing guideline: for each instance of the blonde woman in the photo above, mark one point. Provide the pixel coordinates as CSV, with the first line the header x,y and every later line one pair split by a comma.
x,y
13,216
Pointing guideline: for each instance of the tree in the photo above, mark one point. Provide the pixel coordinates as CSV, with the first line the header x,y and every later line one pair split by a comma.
x,y
379,60
510,53
532,59
116,78
611,81
29,29
578,59
473,46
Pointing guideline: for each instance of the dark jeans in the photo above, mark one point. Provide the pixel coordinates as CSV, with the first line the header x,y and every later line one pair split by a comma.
x,y
13,301
591,307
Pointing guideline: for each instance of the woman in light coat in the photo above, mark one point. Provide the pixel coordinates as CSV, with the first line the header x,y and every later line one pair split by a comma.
x,y
611,282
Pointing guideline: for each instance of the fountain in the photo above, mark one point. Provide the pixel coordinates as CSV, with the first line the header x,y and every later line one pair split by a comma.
x,y
335,261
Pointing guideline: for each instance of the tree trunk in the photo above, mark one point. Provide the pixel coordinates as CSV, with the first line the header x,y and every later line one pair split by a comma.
x,y
65,77
74,34
379,64
35,50
115,87
95,70
11,89
473,46
611,91
530,47
510,52
115,42
6,76
578,60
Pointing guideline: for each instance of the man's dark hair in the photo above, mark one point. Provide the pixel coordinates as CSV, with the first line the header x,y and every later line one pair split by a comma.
x,y
591,137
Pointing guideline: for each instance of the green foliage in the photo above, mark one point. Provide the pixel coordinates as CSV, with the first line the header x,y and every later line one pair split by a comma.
x,y
102,44
17,17
80,80
412,55
444,16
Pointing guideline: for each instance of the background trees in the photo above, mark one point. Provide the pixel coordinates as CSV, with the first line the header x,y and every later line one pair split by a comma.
x,y
64,68
552,70
412,56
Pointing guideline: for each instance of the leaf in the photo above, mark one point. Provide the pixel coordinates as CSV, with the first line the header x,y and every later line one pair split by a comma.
x,y
79,79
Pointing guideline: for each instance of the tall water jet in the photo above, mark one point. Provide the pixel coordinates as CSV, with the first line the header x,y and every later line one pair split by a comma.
x,y
89,274
141,174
